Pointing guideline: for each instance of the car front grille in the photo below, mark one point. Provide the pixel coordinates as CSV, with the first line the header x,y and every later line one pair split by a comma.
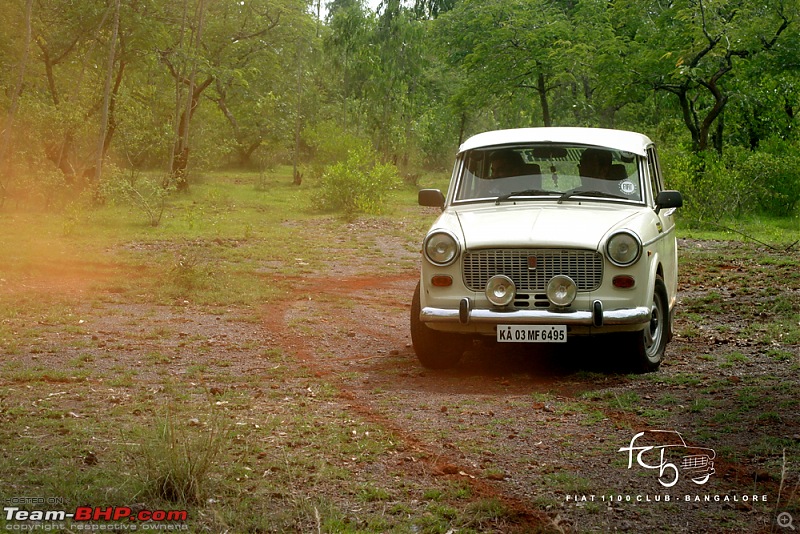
x,y
532,269
694,462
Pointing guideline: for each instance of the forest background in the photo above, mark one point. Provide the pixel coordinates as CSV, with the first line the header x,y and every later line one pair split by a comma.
x,y
133,99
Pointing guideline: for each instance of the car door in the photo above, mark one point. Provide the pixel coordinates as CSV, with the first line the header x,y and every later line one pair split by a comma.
x,y
667,246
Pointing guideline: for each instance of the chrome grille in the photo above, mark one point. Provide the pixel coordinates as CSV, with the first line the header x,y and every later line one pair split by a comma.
x,y
532,269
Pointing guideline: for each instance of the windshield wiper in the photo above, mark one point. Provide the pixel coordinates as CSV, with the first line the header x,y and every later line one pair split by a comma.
x,y
586,193
526,192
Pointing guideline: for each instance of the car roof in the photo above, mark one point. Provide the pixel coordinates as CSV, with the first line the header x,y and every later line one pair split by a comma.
x,y
602,137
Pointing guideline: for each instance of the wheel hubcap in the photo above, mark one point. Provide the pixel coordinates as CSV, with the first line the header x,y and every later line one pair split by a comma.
x,y
653,333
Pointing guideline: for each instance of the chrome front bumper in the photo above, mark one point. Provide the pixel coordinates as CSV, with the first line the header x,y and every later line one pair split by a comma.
x,y
597,317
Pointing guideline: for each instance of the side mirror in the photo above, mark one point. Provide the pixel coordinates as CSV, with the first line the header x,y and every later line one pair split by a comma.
x,y
432,198
668,199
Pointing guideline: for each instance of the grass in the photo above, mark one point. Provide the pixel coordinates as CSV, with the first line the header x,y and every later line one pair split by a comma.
x,y
174,464
223,249
107,324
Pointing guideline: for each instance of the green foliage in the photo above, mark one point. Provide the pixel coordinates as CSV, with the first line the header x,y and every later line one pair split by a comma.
x,y
360,184
710,191
141,192
740,182
330,144
264,71
775,172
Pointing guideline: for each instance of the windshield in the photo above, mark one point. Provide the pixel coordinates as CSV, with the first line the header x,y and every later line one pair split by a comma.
x,y
548,170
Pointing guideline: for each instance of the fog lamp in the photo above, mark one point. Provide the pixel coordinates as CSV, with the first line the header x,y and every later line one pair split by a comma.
x,y
500,290
561,290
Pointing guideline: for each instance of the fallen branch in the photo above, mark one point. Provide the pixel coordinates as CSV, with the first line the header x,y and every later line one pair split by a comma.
x,y
748,236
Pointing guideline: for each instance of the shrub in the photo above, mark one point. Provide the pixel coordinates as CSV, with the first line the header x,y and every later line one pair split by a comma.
x,y
360,184
775,172
711,191
329,144
740,182
141,192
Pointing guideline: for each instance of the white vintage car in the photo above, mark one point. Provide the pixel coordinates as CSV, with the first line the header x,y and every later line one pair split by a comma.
x,y
547,234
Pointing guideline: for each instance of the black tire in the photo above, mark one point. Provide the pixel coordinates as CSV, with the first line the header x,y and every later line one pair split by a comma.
x,y
648,346
434,350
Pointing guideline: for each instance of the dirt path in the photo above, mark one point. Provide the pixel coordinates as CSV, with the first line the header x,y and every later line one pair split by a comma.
x,y
538,429
531,434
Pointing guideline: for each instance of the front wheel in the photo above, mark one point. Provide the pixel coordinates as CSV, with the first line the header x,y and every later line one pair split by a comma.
x,y
648,346
434,350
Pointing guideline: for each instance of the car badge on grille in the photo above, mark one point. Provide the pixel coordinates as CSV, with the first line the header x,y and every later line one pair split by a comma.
x,y
532,263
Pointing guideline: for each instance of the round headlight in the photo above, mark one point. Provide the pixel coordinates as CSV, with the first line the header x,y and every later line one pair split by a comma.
x,y
561,290
500,290
624,248
441,248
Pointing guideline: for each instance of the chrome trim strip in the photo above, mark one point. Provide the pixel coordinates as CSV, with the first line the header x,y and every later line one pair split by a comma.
x,y
632,316
662,235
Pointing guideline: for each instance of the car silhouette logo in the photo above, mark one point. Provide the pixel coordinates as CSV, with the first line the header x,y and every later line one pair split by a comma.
x,y
667,451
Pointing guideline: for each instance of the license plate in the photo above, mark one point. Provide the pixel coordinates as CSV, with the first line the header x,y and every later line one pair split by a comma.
x,y
532,333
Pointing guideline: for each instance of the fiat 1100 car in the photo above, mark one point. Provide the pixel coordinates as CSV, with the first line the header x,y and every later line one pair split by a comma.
x,y
548,234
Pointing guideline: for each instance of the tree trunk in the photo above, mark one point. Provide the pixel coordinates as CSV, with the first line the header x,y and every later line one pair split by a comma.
x,y
180,160
297,177
101,143
12,110
541,88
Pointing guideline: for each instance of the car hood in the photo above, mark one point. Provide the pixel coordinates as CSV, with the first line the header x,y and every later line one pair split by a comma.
x,y
536,225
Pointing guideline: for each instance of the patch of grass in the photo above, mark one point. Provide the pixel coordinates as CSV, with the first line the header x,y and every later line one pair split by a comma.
x,y
709,303
593,417
48,376
749,398
486,511
175,462
654,415
567,482
680,379
627,401
726,418
780,355
700,405
735,358
433,494
371,494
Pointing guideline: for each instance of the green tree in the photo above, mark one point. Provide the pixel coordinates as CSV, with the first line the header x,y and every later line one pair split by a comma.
x,y
692,48
505,47
766,96
66,37
347,50
216,41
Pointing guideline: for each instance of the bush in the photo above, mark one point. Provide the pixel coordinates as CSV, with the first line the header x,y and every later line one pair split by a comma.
x,y
740,182
141,192
330,144
710,190
360,184
775,172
